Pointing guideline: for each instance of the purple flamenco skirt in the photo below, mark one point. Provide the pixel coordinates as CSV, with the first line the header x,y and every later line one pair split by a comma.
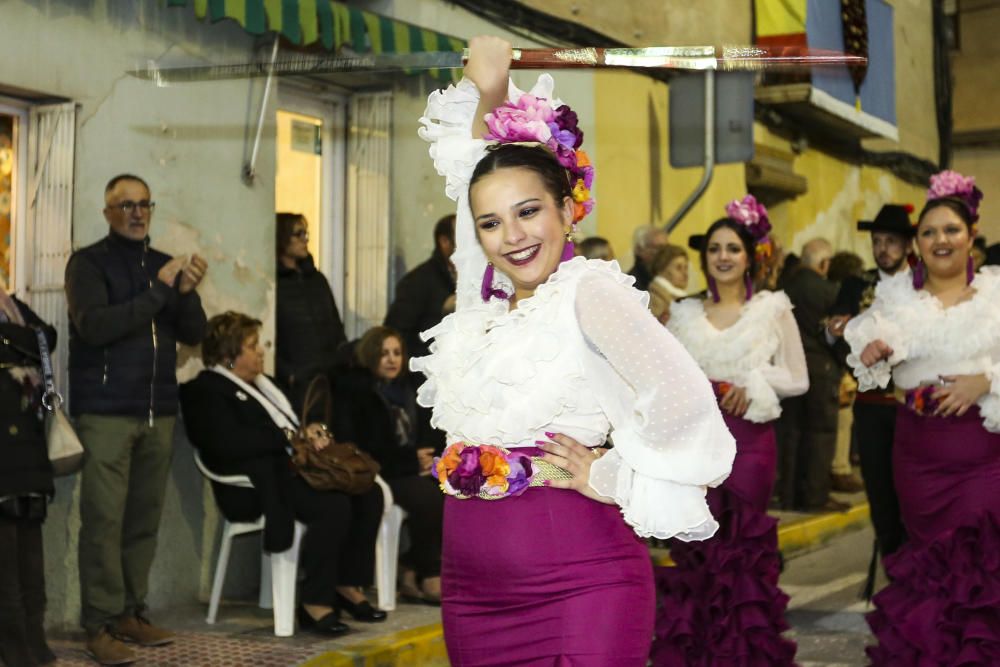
x,y
547,578
942,606
720,604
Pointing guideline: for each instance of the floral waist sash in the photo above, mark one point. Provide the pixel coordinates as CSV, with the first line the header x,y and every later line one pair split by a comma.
x,y
491,473
919,400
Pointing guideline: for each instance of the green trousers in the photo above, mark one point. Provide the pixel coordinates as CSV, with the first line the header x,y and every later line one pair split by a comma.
x,y
122,489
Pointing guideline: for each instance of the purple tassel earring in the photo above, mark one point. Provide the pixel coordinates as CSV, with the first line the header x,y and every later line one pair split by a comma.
x,y
487,291
749,285
569,251
713,289
919,274
970,271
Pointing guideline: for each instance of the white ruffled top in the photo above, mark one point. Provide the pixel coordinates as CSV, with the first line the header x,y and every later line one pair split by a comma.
x,y
929,341
761,351
582,356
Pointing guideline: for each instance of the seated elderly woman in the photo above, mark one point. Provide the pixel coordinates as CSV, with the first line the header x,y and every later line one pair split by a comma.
x,y
239,421
376,407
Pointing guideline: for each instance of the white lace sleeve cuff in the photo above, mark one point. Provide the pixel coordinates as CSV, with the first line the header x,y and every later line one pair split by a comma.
x,y
859,333
764,404
989,405
447,126
653,507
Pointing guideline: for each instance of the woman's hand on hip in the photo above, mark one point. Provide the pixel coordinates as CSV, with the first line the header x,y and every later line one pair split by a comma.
x,y
576,459
960,393
735,402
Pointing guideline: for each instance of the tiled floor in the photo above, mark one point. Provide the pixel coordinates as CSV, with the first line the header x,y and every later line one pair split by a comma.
x,y
203,650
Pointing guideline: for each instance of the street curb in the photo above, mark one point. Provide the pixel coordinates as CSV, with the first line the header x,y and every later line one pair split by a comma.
x,y
417,647
424,646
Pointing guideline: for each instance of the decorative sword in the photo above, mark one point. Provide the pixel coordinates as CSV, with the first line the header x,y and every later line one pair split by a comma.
x,y
698,58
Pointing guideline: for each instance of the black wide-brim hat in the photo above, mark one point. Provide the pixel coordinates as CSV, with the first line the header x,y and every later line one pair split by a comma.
x,y
893,218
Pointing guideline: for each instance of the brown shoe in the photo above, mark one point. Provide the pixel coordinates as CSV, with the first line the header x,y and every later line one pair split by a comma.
x,y
138,630
847,484
107,650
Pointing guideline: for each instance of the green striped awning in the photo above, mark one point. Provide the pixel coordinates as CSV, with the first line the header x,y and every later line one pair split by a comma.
x,y
333,24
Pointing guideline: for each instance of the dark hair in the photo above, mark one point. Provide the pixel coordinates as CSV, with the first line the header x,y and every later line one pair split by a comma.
x,y
664,256
845,264
957,205
368,351
124,177
284,225
749,245
594,247
445,227
534,158
225,335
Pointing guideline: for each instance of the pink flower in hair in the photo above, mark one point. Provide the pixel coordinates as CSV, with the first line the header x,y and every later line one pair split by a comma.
x,y
529,119
751,214
951,184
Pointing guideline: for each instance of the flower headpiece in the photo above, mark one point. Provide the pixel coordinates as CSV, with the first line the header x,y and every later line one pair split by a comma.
x,y
533,120
752,215
949,184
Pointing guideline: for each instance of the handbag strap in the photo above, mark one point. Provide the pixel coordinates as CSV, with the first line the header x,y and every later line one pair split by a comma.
x,y
318,389
51,399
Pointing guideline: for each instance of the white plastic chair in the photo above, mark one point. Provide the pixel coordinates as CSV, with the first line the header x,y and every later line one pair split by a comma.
x,y
387,548
278,571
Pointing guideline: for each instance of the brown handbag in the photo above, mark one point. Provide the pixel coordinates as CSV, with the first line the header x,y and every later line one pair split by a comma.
x,y
340,466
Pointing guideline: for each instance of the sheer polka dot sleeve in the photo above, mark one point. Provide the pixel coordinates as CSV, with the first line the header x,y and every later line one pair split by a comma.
x,y
670,441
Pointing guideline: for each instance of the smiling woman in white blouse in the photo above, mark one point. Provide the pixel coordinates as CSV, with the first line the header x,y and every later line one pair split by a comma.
x,y
936,333
748,344
546,356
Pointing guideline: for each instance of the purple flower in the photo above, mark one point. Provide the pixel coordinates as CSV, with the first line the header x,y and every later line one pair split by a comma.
x,y
521,472
751,214
568,122
467,478
587,173
950,183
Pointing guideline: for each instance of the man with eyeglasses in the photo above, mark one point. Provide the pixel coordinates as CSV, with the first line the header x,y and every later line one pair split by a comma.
x,y
129,306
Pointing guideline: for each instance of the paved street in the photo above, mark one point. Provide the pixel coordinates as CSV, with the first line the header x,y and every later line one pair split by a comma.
x,y
825,612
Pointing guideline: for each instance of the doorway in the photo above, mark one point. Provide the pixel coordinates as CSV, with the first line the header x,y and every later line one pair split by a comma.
x,y
309,175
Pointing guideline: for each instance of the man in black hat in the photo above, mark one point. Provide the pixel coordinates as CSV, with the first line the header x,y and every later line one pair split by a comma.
x,y
875,411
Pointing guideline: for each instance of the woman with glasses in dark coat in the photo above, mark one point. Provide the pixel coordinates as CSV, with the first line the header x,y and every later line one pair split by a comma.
x,y
309,329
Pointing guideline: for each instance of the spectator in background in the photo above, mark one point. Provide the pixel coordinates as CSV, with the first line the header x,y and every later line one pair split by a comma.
x,y
978,252
375,406
807,429
993,255
427,293
646,242
25,486
309,328
670,279
845,265
129,306
595,247
239,421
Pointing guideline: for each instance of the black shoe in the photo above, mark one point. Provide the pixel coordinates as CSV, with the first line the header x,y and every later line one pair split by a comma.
x,y
361,611
329,625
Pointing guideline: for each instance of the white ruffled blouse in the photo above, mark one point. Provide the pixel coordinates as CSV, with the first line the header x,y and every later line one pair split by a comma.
x,y
582,356
761,351
929,341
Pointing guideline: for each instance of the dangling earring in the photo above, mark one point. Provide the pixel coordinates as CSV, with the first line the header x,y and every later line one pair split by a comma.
x,y
231,365
569,250
713,289
749,285
487,291
970,271
919,274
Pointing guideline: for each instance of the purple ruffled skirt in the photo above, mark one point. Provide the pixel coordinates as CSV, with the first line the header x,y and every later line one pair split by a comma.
x,y
547,578
942,606
720,604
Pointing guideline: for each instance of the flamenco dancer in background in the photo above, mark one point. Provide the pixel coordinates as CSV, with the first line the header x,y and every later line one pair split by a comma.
x,y
936,334
546,356
721,604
